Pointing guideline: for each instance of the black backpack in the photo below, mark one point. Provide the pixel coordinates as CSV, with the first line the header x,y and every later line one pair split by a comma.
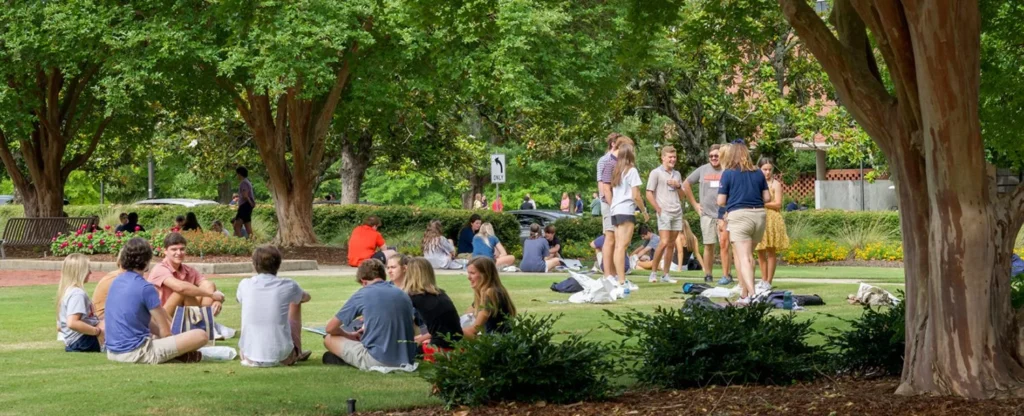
x,y
569,285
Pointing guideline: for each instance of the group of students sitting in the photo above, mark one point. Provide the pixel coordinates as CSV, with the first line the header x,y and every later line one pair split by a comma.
x,y
541,251
384,324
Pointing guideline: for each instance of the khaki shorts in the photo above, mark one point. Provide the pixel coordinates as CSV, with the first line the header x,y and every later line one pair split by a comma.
x,y
152,351
606,218
354,353
709,230
746,225
670,222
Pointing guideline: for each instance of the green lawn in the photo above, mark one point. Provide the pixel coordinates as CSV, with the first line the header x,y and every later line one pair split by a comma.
x,y
37,377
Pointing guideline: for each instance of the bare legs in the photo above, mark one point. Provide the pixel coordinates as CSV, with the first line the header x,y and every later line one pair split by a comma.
x,y
723,243
767,260
608,254
668,239
177,299
552,263
504,261
745,266
623,235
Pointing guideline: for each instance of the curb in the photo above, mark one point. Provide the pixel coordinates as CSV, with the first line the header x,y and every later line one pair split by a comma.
x,y
204,268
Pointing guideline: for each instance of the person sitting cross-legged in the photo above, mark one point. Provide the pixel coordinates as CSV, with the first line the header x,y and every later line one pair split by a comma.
x,y
366,243
180,284
137,329
386,337
271,314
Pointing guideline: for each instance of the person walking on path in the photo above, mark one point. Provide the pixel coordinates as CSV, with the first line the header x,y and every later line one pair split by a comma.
x,y
743,193
246,203
775,238
625,201
664,189
708,176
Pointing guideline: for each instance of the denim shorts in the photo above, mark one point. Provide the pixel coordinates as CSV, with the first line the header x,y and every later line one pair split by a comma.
x,y
87,343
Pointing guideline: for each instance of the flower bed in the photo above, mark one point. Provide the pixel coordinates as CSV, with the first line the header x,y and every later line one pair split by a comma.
x,y
880,251
815,251
106,241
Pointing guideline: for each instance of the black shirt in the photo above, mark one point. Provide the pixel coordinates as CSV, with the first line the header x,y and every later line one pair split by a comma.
x,y
439,314
129,228
554,241
498,316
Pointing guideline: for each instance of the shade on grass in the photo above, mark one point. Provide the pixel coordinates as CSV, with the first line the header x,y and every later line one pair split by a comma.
x,y
37,377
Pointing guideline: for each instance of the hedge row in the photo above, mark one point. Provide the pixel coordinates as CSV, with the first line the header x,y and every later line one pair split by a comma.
x,y
328,220
825,224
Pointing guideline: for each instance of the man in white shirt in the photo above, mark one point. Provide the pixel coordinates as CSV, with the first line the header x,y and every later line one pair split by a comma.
x,y
271,314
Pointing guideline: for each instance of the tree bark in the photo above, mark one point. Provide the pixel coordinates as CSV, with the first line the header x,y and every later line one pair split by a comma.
x,y
477,182
962,337
356,155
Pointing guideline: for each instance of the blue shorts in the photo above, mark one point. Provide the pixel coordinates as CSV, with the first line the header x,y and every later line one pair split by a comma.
x,y
87,343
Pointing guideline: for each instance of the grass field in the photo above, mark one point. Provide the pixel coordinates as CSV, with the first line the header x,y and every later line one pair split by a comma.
x,y
37,377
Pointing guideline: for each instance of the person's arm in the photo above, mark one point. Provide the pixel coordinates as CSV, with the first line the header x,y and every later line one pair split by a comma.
x,y
305,297
188,289
76,323
159,319
499,250
479,320
723,188
640,203
334,328
687,188
593,246
775,203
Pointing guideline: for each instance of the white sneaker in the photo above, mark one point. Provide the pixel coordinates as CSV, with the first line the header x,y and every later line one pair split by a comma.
x,y
653,278
667,279
742,301
762,286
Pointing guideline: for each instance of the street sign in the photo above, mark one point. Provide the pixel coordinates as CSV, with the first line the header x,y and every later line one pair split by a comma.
x,y
498,169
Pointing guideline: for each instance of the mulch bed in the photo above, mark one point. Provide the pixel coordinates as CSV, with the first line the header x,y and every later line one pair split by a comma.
x,y
845,397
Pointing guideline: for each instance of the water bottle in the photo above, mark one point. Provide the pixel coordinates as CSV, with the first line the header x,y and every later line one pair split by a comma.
x,y
625,290
787,300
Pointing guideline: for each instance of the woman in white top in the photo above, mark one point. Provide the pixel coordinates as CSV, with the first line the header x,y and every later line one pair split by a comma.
x,y
626,197
439,251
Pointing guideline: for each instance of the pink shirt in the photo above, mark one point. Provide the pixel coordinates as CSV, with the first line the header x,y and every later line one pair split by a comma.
x,y
164,270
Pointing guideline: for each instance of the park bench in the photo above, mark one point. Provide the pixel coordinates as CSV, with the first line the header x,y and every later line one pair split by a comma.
x,y
23,232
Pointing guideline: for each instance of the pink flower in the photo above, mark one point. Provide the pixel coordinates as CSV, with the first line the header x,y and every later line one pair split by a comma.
x,y
101,242
107,228
119,234
79,232
55,239
90,246
64,244
80,245
89,237
137,228
84,226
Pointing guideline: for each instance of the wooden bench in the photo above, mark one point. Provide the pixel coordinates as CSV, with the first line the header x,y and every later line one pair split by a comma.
x,y
25,232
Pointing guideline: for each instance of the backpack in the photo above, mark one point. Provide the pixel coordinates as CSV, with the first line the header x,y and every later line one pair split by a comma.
x,y
569,285
695,288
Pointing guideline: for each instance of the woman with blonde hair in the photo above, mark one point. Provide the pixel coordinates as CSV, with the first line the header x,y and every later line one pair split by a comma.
x,y
492,305
744,192
775,238
725,155
81,329
434,307
439,251
486,244
626,198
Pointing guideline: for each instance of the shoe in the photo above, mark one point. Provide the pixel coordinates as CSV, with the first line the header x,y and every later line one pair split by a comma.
x,y
190,357
708,278
763,286
743,301
331,359
304,355
725,280
666,279
653,278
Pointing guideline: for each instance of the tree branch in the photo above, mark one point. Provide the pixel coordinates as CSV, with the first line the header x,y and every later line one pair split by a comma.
x,y
323,118
68,109
12,165
83,157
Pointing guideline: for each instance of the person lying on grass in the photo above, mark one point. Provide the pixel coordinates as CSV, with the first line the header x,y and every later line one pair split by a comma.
x,y
138,329
386,336
271,314
492,305
180,284
76,321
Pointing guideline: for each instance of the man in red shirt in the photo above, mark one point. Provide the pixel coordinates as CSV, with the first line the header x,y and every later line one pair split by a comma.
x,y
180,284
365,241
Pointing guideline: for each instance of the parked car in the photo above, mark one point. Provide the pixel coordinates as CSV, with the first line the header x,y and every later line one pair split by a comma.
x,y
7,199
528,217
184,202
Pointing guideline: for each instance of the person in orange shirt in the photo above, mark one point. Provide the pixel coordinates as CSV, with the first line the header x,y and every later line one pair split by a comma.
x,y
497,206
365,242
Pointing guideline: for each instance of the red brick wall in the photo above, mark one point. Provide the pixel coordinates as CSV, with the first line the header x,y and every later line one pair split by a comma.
x,y
803,187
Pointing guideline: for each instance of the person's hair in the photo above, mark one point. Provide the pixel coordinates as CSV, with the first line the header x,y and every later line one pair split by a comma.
x,y
612,138
534,231
565,195
626,160
72,274
136,254
174,239
714,147
490,292
550,228
191,222
643,229
485,233
242,171
266,259
725,156
217,226
668,150
473,218
179,218
623,140
526,198
123,216
419,278
370,269
133,218
739,158
372,221
433,236
764,160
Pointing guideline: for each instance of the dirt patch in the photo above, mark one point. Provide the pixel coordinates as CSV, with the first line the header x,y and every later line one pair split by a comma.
x,y
847,397
322,254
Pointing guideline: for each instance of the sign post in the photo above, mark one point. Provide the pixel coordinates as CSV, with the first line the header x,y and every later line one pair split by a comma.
x,y
498,169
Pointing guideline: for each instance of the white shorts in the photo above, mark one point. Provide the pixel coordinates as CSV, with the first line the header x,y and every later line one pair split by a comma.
x,y
670,222
606,218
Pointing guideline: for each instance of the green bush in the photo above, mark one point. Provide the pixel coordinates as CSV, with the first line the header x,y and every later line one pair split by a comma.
x,y
676,349
583,230
873,346
105,241
523,365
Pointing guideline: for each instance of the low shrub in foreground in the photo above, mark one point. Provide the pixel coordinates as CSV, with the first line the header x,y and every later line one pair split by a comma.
x,y
815,251
677,349
523,365
874,344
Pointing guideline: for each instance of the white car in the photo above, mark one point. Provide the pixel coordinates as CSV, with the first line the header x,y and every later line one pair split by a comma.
x,y
184,202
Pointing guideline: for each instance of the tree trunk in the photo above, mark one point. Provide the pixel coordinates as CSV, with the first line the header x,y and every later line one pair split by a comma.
x,y
293,204
224,191
958,231
476,186
356,155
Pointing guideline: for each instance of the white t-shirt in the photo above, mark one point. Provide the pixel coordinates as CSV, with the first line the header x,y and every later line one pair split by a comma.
x,y
622,195
266,333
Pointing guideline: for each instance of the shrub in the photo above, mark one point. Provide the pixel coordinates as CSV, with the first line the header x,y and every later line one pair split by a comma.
x,y
577,250
873,346
829,224
815,251
523,365
106,241
1017,291
880,251
855,235
800,228
677,349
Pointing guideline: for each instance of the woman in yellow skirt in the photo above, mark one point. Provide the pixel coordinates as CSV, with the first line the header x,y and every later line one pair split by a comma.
x,y
775,238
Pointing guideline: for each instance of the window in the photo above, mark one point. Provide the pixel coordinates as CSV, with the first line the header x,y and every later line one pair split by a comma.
x,y
821,6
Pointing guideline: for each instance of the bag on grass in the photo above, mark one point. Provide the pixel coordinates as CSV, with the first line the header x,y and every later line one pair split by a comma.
x,y
695,288
1016,265
700,302
569,285
187,318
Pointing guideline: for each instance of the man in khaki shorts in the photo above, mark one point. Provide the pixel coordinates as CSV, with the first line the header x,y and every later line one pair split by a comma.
x,y
133,307
605,166
664,189
708,176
